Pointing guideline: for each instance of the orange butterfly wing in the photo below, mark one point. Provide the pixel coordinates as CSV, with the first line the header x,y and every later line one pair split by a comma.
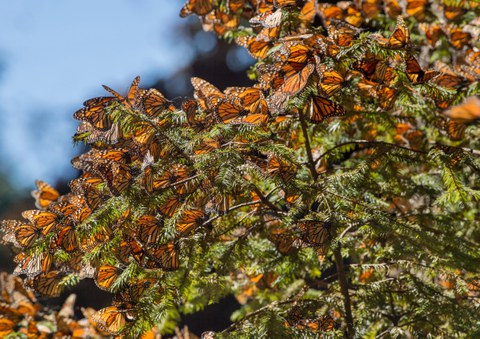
x,y
401,35
166,256
106,275
297,82
44,194
188,221
321,108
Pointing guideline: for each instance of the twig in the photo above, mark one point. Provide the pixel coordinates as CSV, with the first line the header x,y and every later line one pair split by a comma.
x,y
255,202
265,200
366,142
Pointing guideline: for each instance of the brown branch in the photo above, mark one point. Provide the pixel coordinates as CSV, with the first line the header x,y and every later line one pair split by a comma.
x,y
255,202
264,199
342,279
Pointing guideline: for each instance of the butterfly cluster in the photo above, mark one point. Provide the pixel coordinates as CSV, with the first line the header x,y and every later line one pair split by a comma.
x,y
140,165
162,184
314,50
23,315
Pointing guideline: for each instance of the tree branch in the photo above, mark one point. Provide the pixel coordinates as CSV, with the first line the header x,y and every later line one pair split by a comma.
x,y
366,142
342,279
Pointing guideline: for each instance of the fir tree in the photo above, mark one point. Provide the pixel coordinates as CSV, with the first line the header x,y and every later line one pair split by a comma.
x,y
338,196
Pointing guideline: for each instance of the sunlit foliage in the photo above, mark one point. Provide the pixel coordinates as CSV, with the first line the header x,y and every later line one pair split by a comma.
x,y
339,195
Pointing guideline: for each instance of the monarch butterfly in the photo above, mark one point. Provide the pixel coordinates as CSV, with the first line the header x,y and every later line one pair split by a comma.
x,y
220,21
91,160
367,65
217,203
188,221
81,213
199,7
342,33
331,81
120,178
33,264
153,103
75,263
415,73
308,12
432,32
400,36
392,8
252,98
472,57
207,95
269,19
170,206
63,208
149,229
147,140
135,290
48,284
386,97
346,11
128,247
206,146
453,154
297,82
230,112
44,195
282,168
95,113
417,8
320,108
456,129
460,115
467,111
190,108
314,233
270,76
384,73
112,319
448,78
7,326
87,187
41,219
284,240
166,256
67,239
323,324
453,12
458,37
257,48
131,100
106,275
295,56
177,172
371,8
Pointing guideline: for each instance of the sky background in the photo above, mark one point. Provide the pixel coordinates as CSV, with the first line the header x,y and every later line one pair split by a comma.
x,y
56,54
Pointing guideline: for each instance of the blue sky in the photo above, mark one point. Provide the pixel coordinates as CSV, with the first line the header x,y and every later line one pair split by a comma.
x,y
56,54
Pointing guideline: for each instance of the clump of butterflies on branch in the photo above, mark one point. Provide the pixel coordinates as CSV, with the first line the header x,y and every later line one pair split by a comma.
x,y
160,178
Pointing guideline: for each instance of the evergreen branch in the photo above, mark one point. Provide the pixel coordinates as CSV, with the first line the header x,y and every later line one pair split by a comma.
x,y
366,142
